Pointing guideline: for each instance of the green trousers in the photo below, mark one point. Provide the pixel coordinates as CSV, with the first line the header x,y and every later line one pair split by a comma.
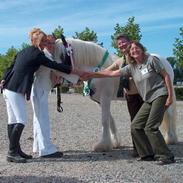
x,y
145,130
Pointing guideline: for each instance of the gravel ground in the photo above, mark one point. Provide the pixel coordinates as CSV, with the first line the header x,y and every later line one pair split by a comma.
x,y
74,132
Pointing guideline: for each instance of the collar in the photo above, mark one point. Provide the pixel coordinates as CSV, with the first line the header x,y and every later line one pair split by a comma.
x,y
48,54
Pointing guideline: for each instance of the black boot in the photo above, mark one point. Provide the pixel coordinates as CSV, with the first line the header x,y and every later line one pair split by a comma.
x,y
21,153
13,155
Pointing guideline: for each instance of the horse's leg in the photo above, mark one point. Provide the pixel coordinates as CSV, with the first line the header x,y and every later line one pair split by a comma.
x,y
169,124
105,144
115,137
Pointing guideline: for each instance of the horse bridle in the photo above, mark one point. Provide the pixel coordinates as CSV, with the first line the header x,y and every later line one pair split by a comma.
x,y
68,60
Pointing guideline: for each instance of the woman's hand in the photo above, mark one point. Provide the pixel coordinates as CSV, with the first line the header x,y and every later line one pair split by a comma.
x,y
2,84
82,74
87,75
169,101
169,87
55,78
77,72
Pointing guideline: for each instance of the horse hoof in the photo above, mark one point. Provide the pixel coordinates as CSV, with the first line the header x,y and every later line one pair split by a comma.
x,y
116,143
102,148
171,141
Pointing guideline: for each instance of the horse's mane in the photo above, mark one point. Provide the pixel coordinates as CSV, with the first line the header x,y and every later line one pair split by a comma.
x,y
86,53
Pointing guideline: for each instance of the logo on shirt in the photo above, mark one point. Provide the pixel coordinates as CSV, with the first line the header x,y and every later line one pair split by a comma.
x,y
144,71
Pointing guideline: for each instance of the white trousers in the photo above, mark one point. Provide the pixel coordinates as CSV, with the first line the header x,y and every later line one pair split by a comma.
x,y
41,124
16,107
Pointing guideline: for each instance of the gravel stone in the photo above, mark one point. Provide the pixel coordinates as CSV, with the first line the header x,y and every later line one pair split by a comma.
x,y
75,131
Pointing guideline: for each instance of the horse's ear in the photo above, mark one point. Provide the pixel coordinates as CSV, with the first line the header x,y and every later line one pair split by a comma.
x,y
63,40
62,36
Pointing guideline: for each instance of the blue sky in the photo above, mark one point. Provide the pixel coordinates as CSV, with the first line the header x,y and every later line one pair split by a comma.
x,y
159,20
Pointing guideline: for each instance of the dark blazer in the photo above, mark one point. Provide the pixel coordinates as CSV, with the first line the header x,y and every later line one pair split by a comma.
x,y
20,76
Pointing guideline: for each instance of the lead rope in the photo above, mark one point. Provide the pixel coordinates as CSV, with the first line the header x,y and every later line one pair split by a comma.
x,y
59,100
69,52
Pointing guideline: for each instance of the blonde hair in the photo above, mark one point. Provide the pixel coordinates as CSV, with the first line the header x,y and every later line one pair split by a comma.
x,y
36,35
33,31
40,37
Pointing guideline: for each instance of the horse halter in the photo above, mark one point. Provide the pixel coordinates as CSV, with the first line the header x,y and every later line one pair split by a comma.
x,y
67,61
69,52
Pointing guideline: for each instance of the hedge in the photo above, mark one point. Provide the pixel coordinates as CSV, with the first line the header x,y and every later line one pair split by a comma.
x,y
179,92
79,89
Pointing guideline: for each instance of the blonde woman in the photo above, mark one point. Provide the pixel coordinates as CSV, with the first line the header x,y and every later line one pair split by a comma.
x,y
17,86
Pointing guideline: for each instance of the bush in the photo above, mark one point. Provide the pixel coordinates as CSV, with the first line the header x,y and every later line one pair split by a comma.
x,y
78,89
64,89
179,93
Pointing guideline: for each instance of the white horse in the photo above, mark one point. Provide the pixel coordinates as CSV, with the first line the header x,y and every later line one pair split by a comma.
x,y
86,56
169,121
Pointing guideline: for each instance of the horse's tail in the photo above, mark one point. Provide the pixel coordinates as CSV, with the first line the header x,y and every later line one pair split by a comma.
x,y
168,126
174,111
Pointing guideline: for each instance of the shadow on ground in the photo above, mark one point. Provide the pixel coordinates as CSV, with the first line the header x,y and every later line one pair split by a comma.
x,y
122,153
37,179
82,156
177,150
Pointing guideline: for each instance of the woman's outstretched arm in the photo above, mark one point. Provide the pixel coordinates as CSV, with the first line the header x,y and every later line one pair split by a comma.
x,y
101,74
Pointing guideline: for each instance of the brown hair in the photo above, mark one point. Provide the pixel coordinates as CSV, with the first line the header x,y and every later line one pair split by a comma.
x,y
50,37
122,35
131,59
139,45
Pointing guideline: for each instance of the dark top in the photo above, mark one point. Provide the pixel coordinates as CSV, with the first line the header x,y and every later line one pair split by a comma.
x,y
20,75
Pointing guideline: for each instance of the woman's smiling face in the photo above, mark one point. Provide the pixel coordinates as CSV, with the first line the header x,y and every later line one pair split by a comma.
x,y
123,44
136,51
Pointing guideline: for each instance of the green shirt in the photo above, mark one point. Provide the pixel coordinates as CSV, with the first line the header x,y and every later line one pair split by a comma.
x,y
149,82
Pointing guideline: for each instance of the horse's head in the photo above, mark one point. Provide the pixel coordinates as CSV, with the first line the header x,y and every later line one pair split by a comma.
x,y
86,55
60,51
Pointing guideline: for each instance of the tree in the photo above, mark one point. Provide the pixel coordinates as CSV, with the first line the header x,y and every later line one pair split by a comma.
x,y
178,49
58,31
172,61
6,60
24,45
86,35
11,52
3,65
178,71
131,29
